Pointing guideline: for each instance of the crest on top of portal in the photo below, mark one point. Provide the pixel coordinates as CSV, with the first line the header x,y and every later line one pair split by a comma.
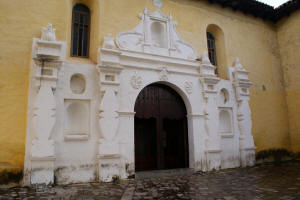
x,y
156,34
158,4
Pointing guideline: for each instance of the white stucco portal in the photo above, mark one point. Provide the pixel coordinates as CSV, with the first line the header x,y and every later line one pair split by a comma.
x,y
102,147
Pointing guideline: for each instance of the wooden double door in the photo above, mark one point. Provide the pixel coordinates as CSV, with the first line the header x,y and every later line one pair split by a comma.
x,y
161,140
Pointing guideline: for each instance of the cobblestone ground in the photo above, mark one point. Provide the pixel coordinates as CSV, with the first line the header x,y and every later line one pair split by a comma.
x,y
265,182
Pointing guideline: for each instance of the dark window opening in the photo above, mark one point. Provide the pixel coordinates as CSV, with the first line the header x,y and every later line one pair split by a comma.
x,y
80,31
211,45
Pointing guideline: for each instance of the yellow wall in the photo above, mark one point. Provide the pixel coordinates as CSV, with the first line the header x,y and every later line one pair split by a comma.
x,y
289,42
249,38
20,22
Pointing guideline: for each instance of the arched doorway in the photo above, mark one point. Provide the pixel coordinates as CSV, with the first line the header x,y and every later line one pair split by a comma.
x,y
161,136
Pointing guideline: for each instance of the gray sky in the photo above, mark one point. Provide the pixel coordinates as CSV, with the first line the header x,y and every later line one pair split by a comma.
x,y
274,3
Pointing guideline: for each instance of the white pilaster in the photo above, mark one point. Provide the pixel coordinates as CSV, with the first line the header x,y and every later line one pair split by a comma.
x,y
242,85
48,56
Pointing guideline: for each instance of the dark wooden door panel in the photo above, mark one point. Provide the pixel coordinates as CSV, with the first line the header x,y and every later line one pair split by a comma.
x,y
145,140
160,129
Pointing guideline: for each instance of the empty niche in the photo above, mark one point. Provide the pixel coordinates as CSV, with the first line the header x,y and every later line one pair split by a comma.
x,y
77,83
224,96
76,123
225,126
158,34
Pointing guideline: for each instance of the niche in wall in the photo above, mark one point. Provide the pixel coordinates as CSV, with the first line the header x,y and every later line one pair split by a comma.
x,y
76,119
225,123
77,83
224,96
159,35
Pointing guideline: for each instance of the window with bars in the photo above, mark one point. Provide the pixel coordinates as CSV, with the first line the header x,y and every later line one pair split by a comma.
x,y
80,31
211,45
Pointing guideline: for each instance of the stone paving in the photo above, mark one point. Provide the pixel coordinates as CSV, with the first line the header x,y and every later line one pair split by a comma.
x,y
264,182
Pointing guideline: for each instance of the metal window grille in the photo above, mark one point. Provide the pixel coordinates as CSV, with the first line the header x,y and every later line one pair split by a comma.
x,y
211,45
80,31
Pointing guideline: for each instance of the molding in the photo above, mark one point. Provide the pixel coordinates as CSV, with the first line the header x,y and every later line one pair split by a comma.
x,y
214,151
224,135
49,158
126,113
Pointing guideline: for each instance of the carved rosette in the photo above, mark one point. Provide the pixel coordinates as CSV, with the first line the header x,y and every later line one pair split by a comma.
x,y
136,81
163,74
188,86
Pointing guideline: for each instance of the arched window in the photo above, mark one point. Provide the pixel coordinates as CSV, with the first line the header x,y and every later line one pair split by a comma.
x,y
216,49
211,45
80,31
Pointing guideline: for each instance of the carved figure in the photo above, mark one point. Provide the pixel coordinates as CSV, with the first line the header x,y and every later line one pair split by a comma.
x,y
109,42
238,65
48,33
158,4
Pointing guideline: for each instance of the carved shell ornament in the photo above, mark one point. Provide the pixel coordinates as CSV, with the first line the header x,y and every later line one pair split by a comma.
x,y
136,81
188,86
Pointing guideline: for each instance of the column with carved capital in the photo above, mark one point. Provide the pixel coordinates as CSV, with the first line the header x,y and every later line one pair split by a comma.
x,y
48,56
209,80
242,85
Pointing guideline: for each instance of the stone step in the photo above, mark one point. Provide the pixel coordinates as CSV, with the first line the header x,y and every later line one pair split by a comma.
x,y
164,173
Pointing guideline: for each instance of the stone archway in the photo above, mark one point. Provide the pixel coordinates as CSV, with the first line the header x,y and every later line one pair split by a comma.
x,y
161,135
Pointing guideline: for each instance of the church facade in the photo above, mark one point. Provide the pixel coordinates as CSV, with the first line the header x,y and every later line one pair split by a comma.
x,y
117,87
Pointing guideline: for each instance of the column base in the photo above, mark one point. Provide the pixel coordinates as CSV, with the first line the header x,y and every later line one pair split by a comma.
x,y
42,170
213,159
247,156
110,167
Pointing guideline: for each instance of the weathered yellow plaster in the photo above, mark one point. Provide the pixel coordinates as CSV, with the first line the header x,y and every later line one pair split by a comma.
x,y
251,39
289,43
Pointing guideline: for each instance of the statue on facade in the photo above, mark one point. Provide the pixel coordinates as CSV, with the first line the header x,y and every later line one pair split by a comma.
x,y
48,33
109,42
158,4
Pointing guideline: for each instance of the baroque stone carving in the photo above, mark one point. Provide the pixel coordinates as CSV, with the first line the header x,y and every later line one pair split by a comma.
x,y
44,113
163,74
188,86
156,34
48,33
136,81
205,58
238,65
158,3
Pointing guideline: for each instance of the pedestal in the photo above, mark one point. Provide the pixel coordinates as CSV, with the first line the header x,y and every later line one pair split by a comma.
x,y
42,170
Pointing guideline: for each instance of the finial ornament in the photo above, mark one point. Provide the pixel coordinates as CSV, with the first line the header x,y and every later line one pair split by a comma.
x,y
205,58
238,65
48,33
109,42
158,4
